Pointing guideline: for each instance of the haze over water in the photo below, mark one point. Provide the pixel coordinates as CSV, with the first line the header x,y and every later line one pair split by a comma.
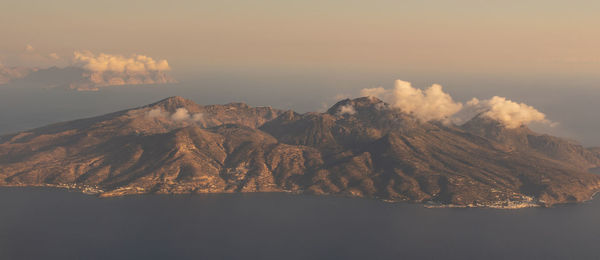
x,y
569,102
302,54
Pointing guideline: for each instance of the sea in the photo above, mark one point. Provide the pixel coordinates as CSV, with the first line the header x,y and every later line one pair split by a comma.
x,y
45,223
49,223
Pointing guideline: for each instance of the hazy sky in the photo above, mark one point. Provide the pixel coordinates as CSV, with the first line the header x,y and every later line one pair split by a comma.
x,y
302,54
535,37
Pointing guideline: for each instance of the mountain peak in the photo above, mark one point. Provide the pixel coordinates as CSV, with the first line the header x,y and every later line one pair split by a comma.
x,y
238,105
352,106
173,99
171,104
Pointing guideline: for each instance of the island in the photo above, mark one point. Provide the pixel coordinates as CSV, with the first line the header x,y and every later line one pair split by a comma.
x,y
359,147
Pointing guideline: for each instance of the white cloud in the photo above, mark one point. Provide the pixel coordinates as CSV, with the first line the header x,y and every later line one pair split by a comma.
x,y
181,114
378,92
511,114
434,104
431,104
97,70
156,113
347,109
112,70
134,64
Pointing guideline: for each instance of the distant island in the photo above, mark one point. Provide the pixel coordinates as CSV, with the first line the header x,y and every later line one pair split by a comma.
x,y
360,147
89,72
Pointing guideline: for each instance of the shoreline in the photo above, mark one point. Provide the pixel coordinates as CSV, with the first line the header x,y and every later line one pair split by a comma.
x,y
129,191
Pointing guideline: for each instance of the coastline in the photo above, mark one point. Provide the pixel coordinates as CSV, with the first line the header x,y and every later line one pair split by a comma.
x,y
127,191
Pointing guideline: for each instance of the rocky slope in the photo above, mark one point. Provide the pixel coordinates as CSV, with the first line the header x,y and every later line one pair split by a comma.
x,y
359,147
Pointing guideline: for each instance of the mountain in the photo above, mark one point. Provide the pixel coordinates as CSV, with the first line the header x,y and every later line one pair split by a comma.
x,y
523,139
359,147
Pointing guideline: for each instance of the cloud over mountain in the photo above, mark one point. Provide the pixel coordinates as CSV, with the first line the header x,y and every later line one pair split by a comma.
x,y
347,109
180,115
511,114
430,104
434,104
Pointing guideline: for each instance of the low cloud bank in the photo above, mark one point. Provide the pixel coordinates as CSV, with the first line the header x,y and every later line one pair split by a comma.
x,y
434,104
135,64
113,70
89,71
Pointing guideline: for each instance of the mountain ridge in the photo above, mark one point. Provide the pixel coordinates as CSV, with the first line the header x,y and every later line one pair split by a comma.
x,y
359,147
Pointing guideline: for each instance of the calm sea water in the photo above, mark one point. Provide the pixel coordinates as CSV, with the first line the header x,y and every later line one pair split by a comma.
x,y
39,223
